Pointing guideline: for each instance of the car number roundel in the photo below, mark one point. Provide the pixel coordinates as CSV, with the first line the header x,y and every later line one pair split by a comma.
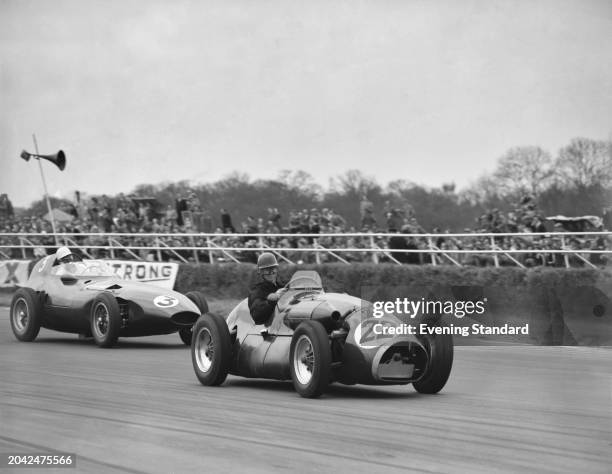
x,y
165,301
367,337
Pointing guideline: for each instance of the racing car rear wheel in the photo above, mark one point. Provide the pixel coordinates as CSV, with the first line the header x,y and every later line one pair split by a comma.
x,y
200,301
440,349
211,350
310,359
26,314
105,320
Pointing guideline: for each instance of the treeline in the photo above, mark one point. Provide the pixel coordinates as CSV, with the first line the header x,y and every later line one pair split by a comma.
x,y
577,181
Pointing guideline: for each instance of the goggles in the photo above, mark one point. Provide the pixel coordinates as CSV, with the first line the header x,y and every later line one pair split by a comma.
x,y
268,270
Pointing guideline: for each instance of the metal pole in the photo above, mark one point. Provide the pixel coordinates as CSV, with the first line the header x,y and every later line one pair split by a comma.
x,y
565,256
23,250
333,254
374,254
495,258
260,241
210,254
110,244
195,252
433,255
387,254
42,175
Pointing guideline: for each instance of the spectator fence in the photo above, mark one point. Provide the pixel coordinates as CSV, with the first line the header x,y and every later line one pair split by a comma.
x,y
498,249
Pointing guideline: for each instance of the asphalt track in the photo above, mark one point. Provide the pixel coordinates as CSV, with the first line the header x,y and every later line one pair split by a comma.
x,y
139,408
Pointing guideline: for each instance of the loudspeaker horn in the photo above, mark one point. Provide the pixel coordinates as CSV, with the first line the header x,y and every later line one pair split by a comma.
x,y
59,159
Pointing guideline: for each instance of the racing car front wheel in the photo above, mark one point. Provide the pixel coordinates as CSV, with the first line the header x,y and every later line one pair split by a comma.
x,y
310,359
200,301
198,298
440,348
211,349
105,320
26,313
186,334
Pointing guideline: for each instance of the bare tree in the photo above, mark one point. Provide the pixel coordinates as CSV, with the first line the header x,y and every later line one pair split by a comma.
x,y
522,170
585,163
483,190
301,181
399,187
233,180
354,183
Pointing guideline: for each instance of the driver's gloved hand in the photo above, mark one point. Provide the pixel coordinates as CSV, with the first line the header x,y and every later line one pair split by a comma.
x,y
277,294
273,297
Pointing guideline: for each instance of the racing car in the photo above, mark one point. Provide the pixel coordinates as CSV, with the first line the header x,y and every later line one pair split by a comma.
x,y
87,298
315,338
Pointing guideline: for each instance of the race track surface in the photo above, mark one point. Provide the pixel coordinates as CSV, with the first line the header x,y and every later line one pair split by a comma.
x,y
139,408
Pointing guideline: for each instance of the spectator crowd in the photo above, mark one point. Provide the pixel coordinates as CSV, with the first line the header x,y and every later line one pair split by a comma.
x,y
104,222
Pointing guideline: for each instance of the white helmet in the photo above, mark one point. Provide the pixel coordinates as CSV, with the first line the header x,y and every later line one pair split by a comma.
x,y
65,255
62,252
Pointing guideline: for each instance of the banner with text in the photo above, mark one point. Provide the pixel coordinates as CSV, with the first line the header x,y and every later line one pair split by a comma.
x,y
157,273
13,272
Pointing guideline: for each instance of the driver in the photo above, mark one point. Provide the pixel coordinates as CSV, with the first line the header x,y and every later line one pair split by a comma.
x,y
66,260
266,292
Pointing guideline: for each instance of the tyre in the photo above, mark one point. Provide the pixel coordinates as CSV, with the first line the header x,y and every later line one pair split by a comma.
x,y
105,320
186,334
440,348
310,359
200,301
211,349
26,314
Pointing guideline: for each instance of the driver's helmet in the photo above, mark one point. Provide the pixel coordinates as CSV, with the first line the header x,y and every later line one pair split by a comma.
x,y
65,255
266,260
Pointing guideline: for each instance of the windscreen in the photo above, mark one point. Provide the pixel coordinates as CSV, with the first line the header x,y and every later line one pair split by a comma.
x,y
84,268
305,280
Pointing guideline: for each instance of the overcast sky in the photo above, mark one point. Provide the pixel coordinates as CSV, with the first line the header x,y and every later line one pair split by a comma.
x,y
428,91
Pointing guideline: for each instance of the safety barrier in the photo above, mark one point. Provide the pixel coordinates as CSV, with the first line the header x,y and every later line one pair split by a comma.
x,y
502,248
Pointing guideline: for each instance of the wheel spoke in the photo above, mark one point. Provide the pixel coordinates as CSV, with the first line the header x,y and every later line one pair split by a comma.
x,y
204,349
20,317
304,360
101,318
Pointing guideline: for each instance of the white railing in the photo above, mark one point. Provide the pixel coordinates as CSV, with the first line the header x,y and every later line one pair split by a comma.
x,y
196,247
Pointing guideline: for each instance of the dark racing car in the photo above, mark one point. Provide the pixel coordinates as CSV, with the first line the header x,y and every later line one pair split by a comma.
x,y
87,298
315,338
